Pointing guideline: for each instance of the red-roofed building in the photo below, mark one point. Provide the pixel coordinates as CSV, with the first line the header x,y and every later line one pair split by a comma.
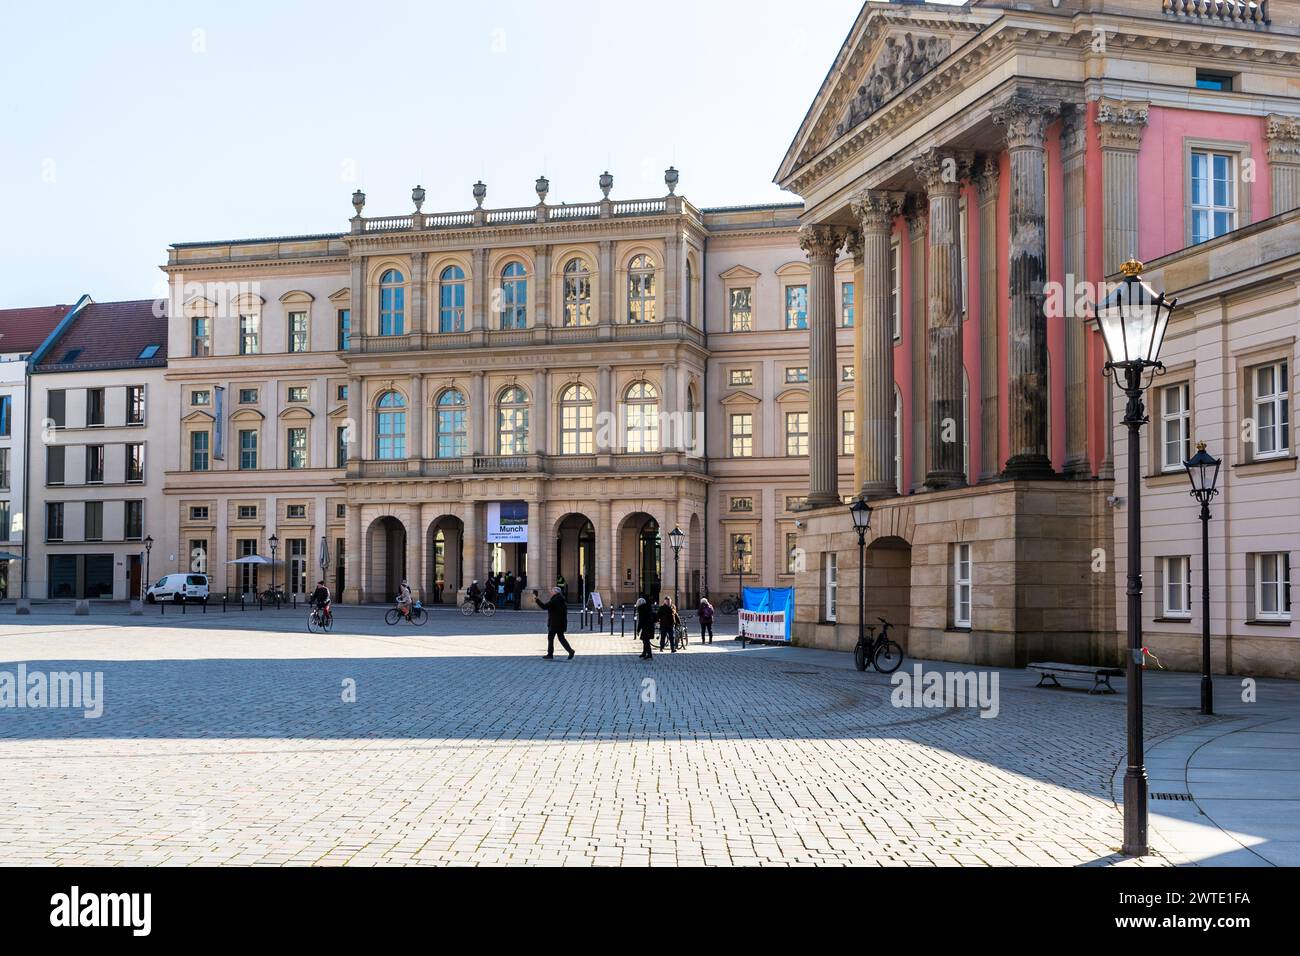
x,y
96,394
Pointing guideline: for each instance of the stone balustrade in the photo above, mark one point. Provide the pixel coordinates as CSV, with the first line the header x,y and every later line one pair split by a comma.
x,y
627,463
1218,11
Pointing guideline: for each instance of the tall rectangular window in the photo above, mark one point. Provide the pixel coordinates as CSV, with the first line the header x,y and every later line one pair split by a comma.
x,y
961,585
345,329
6,415
742,435
200,337
796,307
94,464
94,521
1175,427
4,468
135,463
740,309
341,446
831,585
247,449
297,446
847,423
1177,590
796,433
200,446
249,334
6,522
1273,586
297,331
792,552
895,292
55,456
133,520
56,407
54,521
135,404
846,305
742,552
1272,410
94,406
1214,194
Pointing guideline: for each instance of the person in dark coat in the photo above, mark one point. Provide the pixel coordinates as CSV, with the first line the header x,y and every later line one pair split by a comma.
x,y
645,625
557,619
705,614
510,591
667,624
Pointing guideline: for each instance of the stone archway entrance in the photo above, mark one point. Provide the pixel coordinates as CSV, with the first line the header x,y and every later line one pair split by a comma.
x,y
641,546
575,555
445,542
889,585
385,558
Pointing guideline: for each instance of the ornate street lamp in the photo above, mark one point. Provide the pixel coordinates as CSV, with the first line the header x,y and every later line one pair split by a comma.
x,y
860,512
741,554
1133,319
1203,472
676,538
275,543
148,547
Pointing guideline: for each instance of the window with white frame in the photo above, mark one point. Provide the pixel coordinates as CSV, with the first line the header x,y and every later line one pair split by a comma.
x,y
796,433
641,409
796,307
1272,409
1213,193
740,308
742,435
895,291
847,423
1175,427
297,331
846,305
1273,586
1177,590
961,585
576,410
831,576
740,376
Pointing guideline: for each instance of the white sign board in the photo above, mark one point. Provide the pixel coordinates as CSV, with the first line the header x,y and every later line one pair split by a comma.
x,y
596,604
763,624
507,522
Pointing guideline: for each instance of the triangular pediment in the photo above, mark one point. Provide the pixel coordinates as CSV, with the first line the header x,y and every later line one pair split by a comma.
x,y
739,272
741,398
888,51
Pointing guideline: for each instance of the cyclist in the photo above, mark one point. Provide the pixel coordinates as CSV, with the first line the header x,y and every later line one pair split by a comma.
x,y
404,599
320,600
475,594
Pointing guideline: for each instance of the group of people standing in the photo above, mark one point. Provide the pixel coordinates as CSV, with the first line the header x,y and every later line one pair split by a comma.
x,y
666,617
505,590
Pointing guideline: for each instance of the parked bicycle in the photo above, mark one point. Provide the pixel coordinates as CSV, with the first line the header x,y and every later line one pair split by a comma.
x,y
274,595
417,615
320,620
728,605
884,654
485,607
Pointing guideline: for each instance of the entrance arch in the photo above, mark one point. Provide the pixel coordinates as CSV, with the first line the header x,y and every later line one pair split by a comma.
x,y
444,543
641,546
694,584
385,558
889,585
575,555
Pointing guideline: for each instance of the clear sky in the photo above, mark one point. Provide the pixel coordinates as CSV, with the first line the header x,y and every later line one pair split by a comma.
x,y
130,125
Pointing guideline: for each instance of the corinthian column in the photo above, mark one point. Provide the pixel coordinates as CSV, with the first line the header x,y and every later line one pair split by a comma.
x,y
874,375
1025,120
821,244
941,173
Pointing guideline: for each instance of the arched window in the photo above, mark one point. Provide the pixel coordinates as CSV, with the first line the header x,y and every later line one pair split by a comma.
x,y
451,432
642,408
576,415
512,421
641,290
390,427
451,300
577,293
392,303
514,296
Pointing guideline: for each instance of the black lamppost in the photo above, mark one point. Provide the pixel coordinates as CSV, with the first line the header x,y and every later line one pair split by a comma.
x,y
148,547
1133,319
275,543
741,554
676,538
860,512
1203,472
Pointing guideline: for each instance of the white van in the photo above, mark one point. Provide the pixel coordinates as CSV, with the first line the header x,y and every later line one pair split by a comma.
x,y
178,588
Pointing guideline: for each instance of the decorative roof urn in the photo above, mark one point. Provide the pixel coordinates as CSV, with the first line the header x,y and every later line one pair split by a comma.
x,y
670,179
606,183
543,187
480,193
417,197
358,201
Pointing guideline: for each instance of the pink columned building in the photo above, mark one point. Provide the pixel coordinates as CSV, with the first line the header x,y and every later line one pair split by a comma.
x,y
985,168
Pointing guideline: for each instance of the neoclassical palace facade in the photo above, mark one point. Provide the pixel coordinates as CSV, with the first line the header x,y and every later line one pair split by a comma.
x,y
546,390
976,163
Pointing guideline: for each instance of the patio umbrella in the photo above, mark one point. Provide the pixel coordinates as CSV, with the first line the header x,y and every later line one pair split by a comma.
x,y
251,559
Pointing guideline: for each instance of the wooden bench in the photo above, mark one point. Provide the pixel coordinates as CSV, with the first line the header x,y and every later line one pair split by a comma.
x,y
1100,676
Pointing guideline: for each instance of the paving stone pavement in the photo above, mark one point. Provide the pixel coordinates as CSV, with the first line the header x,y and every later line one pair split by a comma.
x,y
226,739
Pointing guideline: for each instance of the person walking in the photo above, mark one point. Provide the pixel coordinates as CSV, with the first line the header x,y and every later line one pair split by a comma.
x,y
667,624
645,625
557,619
510,590
705,614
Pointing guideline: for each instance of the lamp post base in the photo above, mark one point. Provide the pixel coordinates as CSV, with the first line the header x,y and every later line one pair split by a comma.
x,y
1207,694
1135,812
